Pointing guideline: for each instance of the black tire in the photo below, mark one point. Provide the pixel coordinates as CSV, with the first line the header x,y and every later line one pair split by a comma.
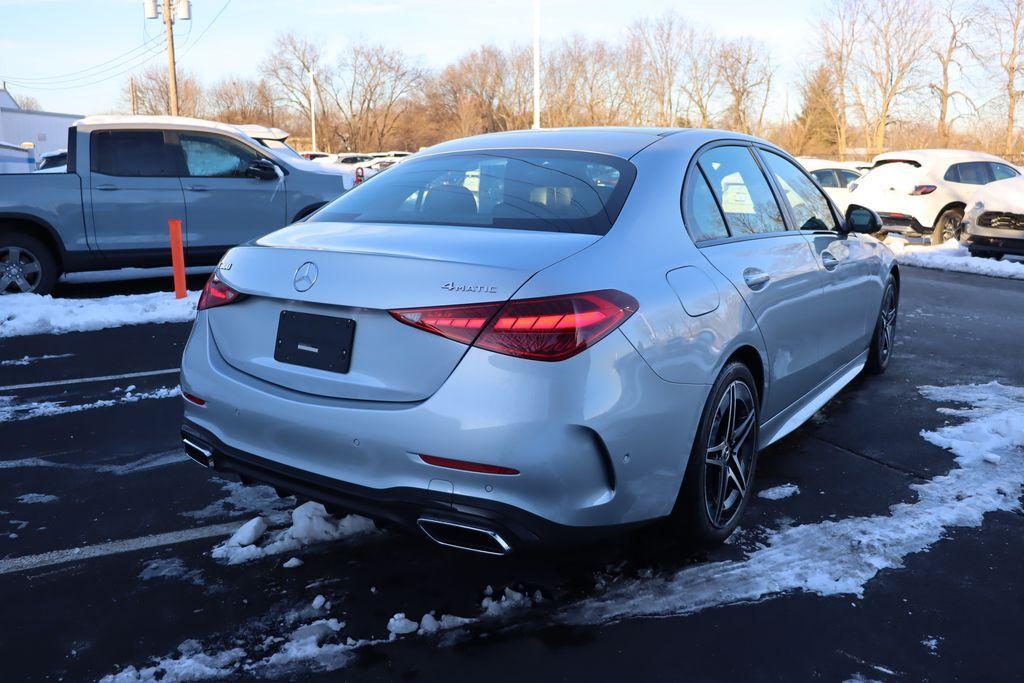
x,y
726,466
27,265
884,338
948,226
994,255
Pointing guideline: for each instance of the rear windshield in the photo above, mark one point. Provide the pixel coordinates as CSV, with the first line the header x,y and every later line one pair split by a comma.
x,y
552,191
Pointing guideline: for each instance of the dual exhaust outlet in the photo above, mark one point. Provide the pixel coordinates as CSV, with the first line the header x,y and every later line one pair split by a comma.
x,y
443,532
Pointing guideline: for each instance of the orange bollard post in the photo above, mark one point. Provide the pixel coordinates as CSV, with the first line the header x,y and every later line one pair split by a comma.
x,y
177,259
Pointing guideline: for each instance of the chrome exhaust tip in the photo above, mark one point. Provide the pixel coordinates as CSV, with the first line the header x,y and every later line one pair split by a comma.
x,y
197,452
464,537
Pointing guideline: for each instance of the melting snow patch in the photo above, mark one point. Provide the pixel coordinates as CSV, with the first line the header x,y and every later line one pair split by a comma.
x,y
952,256
243,500
398,625
840,557
292,563
22,314
932,643
779,492
38,498
191,664
170,568
310,524
11,411
29,360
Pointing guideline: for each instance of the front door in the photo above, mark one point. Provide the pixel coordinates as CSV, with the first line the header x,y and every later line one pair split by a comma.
x,y
225,205
134,190
772,268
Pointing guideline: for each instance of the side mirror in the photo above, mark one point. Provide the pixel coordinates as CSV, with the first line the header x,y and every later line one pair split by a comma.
x,y
862,219
262,169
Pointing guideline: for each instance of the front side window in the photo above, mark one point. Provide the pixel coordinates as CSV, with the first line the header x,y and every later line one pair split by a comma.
x,y
742,191
1002,171
826,177
213,156
521,189
131,153
807,203
703,219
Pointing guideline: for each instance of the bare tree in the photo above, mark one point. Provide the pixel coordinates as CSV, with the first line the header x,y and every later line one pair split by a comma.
x,y
840,30
28,102
745,70
151,88
700,76
891,59
663,39
1007,20
240,100
956,20
287,72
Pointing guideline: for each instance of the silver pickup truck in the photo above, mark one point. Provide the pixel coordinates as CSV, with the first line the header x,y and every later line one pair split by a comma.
x,y
126,176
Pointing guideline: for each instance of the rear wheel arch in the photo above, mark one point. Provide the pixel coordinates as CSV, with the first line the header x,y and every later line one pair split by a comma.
x,y
751,358
39,229
961,206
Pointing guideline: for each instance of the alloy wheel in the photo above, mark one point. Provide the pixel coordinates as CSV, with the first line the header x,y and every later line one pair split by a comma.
x,y
20,270
887,332
950,225
729,456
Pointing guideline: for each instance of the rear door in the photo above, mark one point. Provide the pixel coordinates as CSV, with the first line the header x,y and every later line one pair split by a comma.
x,y
225,206
134,190
773,269
849,288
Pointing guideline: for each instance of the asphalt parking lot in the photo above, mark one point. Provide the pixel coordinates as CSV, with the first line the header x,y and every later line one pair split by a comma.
x,y
107,531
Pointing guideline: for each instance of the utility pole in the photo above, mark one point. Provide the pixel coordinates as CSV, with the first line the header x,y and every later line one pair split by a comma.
x,y
133,96
184,12
312,108
536,63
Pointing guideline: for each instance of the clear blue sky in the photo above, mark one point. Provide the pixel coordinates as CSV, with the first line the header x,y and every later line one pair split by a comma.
x,y
44,38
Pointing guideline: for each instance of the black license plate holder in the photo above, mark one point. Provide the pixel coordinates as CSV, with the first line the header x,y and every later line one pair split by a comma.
x,y
321,342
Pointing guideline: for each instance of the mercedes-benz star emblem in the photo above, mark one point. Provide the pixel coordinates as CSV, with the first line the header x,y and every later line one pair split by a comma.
x,y
305,276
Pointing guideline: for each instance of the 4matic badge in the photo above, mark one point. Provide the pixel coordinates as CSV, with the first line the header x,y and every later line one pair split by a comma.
x,y
455,287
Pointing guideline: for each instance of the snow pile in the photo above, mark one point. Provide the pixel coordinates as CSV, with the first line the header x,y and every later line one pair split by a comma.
x,y
22,314
170,568
29,360
37,498
292,563
309,643
310,524
779,492
952,256
191,664
11,411
840,557
398,625
244,500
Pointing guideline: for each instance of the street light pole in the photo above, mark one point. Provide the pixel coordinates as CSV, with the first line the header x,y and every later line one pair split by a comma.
x,y
536,63
172,76
312,108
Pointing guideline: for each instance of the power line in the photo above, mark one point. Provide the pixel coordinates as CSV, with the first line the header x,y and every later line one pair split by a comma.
x,y
86,73
203,32
136,62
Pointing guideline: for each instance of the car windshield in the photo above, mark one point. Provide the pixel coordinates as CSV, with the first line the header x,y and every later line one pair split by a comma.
x,y
553,191
281,147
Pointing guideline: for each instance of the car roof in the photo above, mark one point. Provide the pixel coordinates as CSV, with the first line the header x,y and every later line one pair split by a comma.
x,y
259,132
617,141
106,121
928,157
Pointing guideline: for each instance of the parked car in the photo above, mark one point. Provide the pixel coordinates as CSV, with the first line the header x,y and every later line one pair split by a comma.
x,y
311,156
127,176
994,223
271,138
925,192
835,177
348,162
58,159
502,342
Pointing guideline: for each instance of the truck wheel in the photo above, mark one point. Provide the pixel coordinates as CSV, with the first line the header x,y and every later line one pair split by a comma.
x,y
26,265
948,226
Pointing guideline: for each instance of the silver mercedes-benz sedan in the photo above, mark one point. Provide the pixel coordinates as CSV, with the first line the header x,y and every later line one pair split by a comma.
x,y
527,337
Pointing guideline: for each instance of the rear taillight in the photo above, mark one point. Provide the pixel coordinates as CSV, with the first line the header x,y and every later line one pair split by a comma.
x,y
549,328
216,293
192,398
922,190
467,466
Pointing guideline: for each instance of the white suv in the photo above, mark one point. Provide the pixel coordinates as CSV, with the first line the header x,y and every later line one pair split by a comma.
x,y
925,192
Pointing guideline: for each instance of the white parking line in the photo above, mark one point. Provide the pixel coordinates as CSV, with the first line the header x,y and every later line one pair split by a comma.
x,y
19,564
85,380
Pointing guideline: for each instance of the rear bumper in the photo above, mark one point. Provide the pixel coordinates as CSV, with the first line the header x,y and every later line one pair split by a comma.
x,y
599,440
903,224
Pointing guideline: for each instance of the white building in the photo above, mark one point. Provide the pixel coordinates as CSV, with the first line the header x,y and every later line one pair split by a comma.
x,y
46,131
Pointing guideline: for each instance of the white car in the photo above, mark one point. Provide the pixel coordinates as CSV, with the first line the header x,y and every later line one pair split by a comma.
x,y
835,177
925,192
271,138
994,223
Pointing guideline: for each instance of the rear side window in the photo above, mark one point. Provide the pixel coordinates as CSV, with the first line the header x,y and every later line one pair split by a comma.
x,y
826,177
969,173
703,219
213,156
131,153
552,191
742,191
1002,171
807,203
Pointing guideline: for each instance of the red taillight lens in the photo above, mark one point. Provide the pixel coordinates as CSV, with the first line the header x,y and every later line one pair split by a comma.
x,y
216,293
922,190
192,398
467,466
549,328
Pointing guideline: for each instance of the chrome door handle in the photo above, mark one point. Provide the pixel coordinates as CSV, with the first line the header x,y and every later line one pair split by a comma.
x,y
829,261
198,188
756,278
107,188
